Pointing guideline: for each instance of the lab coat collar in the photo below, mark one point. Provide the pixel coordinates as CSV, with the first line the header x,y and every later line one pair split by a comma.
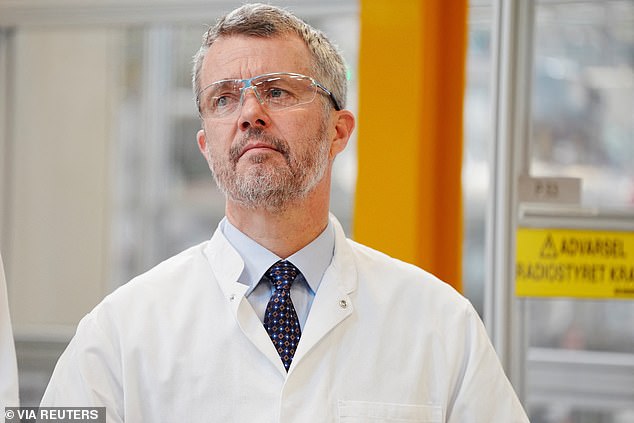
x,y
227,265
333,302
343,260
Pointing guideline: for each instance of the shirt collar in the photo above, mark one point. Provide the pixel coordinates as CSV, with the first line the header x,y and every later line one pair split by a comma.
x,y
312,260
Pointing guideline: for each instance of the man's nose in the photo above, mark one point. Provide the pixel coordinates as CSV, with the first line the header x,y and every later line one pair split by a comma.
x,y
252,111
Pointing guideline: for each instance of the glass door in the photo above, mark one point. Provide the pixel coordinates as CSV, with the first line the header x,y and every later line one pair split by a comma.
x,y
563,112
580,350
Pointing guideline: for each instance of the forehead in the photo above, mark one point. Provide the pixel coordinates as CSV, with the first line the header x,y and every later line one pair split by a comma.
x,y
243,57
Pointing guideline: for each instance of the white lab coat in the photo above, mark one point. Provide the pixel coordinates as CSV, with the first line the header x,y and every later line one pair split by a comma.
x,y
384,342
8,365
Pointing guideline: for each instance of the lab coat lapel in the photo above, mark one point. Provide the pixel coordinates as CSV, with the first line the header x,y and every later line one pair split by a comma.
x,y
227,265
332,303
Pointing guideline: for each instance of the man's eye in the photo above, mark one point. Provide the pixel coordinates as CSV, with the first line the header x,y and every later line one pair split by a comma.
x,y
220,102
223,102
276,93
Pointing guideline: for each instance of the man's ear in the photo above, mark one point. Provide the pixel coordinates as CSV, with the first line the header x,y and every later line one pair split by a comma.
x,y
344,125
201,138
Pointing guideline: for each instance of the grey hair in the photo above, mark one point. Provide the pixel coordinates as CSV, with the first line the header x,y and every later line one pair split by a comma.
x,y
266,21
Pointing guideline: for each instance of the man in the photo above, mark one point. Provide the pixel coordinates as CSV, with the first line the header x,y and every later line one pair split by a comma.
x,y
8,365
280,318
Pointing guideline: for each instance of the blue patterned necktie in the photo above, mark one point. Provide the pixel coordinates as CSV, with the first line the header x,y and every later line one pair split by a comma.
x,y
280,318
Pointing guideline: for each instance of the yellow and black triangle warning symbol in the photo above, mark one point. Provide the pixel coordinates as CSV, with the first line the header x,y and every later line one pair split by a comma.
x,y
549,249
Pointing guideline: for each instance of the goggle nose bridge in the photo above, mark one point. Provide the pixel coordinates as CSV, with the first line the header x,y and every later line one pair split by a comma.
x,y
248,84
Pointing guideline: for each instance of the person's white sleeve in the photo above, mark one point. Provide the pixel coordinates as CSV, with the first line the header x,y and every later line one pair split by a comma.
x,y
9,396
88,373
484,393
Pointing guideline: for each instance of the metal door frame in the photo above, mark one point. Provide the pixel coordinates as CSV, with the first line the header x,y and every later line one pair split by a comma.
x,y
511,89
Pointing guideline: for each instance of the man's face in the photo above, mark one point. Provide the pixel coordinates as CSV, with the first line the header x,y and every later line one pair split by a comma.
x,y
262,158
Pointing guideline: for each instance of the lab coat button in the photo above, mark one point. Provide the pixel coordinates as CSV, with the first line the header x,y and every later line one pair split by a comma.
x,y
343,304
232,297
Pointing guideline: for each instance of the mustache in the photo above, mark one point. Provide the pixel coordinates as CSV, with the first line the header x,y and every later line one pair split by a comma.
x,y
257,134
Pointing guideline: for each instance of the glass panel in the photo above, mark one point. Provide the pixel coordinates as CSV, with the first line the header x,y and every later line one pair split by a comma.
x,y
582,325
583,108
583,126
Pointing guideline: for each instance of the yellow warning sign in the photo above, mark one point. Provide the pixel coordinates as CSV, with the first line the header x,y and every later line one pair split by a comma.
x,y
574,263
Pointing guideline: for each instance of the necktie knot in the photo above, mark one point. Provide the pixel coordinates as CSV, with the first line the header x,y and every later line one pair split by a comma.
x,y
282,274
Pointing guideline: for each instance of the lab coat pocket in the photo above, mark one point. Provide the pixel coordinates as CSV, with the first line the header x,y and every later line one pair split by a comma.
x,y
376,412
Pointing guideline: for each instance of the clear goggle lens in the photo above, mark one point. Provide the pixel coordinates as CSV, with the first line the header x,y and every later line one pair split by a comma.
x,y
275,91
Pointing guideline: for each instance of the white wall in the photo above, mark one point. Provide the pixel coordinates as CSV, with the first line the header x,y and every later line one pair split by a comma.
x,y
58,180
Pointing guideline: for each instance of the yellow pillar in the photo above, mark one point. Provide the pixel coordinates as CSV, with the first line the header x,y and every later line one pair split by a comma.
x,y
411,84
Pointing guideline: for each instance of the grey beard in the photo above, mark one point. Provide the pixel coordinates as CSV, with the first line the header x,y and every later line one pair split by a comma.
x,y
272,189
